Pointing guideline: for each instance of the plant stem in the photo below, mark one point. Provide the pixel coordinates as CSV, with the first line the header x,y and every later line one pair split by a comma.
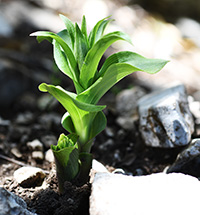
x,y
86,165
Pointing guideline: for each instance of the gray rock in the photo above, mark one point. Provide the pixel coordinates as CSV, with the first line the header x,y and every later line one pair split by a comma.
x,y
4,123
126,101
29,176
126,106
165,118
155,194
107,144
11,204
6,29
49,140
109,132
127,123
24,118
188,160
48,120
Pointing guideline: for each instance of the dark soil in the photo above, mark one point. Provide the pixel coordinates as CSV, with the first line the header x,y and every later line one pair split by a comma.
x,y
75,200
48,201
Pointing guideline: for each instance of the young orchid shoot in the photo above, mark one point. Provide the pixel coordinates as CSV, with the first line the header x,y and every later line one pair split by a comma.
x,y
77,54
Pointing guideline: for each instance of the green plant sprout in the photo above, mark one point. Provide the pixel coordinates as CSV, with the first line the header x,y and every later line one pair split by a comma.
x,y
77,55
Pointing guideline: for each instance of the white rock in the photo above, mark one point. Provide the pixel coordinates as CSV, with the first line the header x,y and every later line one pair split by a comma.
x,y
29,176
189,29
35,145
156,194
98,167
37,155
49,156
15,151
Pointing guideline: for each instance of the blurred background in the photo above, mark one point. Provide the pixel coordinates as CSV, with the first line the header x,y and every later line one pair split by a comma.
x,y
167,29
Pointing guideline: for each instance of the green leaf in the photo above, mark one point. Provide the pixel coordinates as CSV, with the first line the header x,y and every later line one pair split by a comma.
x,y
81,46
67,123
62,61
148,65
98,125
85,166
84,27
115,68
93,33
82,114
70,28
101,29
65,141
64,34
41,35
94,55
68,100
67,159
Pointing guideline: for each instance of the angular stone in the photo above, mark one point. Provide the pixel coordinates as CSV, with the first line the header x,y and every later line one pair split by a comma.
x,y
29,176
188,160
165,118
155,194
12,204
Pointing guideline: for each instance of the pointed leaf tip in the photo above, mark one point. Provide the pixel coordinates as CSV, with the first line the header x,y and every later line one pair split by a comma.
x,y
43,87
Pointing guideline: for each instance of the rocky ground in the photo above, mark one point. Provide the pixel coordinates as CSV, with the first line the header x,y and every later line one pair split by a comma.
x,y
30,120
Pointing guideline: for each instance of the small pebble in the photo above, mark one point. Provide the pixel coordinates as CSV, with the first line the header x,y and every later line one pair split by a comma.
x,y
29,176
24,118
37,155
49,156
109,132
35,145
127,123
16,152
106,145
